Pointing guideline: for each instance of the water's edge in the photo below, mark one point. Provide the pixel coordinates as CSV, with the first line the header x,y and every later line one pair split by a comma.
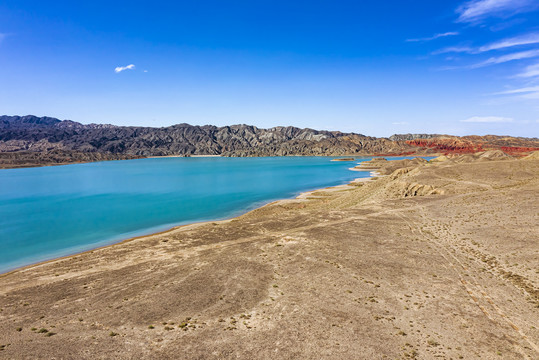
x,y
172,227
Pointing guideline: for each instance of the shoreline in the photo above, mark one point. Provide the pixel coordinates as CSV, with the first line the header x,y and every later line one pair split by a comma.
x,y
372,176
32,165
181,156
389,259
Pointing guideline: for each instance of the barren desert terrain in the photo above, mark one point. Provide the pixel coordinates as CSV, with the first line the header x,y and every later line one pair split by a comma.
x,y
430,260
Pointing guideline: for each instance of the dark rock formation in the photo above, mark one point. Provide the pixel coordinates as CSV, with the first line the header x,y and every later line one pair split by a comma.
x,y
50,137
31,133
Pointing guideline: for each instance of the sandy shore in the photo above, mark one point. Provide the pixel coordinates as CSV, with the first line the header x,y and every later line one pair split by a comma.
x,y
367,270
301,195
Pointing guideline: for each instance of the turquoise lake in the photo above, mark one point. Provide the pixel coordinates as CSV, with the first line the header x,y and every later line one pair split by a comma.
x,y
54,211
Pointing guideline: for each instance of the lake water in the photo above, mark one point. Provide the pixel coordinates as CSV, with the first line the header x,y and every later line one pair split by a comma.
x,y
54,211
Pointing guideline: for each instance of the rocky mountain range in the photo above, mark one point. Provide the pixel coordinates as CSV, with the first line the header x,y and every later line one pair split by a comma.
x,y
61,139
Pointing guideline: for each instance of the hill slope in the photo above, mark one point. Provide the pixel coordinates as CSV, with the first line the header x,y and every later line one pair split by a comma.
x,y
72,139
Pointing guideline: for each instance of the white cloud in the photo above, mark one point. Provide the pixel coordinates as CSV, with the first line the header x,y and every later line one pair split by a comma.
x,y
399,123
506,58
476,10
519,91
454,49
119,69
530,71
526,39
531,92
436,36
487,119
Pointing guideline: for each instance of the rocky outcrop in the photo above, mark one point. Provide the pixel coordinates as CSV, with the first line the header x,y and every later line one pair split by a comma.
x,y
518,150
404,189
448,145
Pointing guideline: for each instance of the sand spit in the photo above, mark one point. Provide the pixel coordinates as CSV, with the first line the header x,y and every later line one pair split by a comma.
x,y
433,260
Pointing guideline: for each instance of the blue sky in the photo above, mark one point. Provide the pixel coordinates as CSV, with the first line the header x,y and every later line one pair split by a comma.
x,y
372,67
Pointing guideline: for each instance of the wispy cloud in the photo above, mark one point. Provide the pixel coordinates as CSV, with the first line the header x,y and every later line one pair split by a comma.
x,y
506,58
434,37
454,49
399,123
526,39
475,11
487,119
530,71
530,92
119,69
520,91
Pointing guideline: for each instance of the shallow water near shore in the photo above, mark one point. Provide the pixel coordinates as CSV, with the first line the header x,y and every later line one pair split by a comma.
x,y
51,212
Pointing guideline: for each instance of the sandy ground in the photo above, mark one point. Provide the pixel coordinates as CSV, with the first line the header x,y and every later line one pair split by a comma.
x,y
370,270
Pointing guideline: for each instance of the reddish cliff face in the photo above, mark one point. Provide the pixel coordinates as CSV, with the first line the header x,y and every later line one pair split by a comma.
x,y
517,151
448,145
473,144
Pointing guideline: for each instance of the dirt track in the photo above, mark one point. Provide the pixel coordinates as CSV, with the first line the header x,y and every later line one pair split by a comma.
x,y
364,271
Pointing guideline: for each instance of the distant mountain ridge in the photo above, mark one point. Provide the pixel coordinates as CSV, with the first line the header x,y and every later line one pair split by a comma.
x,y
404,137
31,121
41,134
50,135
